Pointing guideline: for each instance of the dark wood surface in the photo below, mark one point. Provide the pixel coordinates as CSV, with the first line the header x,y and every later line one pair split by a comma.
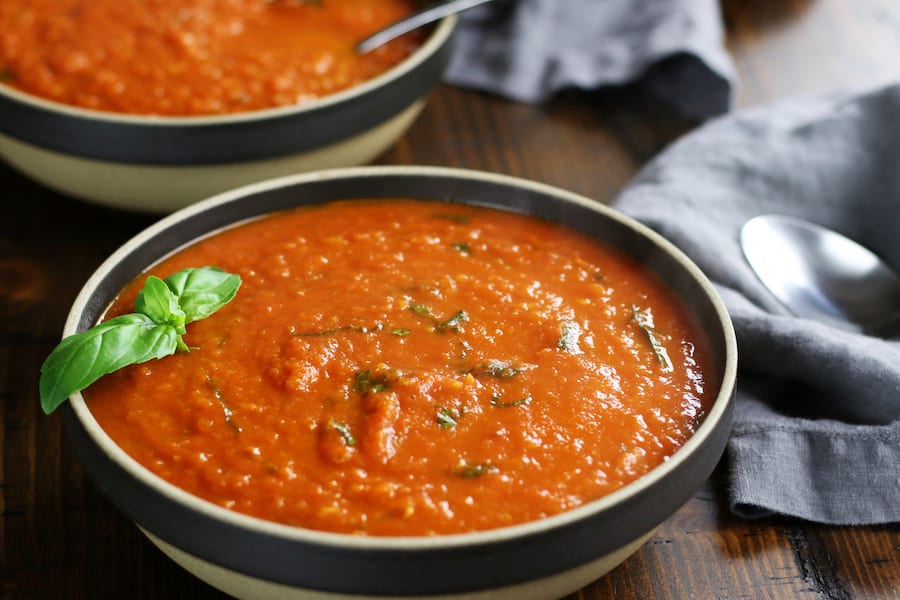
x,y
61,539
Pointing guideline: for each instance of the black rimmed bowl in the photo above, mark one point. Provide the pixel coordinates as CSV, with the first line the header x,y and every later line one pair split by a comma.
x,y
251,558
160,164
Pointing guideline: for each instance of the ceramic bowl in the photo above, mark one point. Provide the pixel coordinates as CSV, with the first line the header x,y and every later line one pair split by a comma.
x,y
160,164
251,558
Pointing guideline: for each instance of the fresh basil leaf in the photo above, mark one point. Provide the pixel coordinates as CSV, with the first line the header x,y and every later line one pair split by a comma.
x,y
81,359
202,291
159,303
163,308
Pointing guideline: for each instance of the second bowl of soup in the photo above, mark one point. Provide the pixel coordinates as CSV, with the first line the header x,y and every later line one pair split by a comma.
x,y
150,106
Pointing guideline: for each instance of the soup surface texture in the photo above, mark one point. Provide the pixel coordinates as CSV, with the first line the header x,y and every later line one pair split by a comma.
x,y
194,57
400,367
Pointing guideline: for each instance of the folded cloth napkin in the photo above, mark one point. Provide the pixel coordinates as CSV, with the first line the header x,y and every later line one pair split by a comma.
x,y
817,415
527,50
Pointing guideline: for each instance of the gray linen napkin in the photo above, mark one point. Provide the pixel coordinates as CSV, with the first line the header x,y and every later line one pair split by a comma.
x,y
817,418
527,50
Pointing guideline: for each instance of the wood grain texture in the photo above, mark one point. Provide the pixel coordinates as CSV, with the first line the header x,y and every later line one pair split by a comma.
x,y
60,538
589,143
798,47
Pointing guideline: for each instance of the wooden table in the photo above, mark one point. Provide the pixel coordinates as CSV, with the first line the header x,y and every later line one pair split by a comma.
x,y
60,537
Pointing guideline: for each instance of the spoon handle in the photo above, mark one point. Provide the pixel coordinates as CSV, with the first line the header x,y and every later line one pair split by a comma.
x,y
414,21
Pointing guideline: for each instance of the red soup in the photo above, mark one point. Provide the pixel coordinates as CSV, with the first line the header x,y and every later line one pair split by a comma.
x,y
400,367
194,57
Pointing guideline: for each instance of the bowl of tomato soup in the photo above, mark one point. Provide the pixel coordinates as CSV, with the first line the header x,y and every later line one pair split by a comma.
x,y
432,382
150,106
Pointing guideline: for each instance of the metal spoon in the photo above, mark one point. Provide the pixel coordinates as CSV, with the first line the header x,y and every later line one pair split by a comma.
x,y
414,21
819,274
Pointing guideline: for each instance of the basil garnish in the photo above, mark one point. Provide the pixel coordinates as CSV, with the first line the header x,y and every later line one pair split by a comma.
x,y
344,430
448,418
570,333
454,323
644,320
335,330
163,308
201,292
366,382
227,412
470,471
463,248
497,403
496,368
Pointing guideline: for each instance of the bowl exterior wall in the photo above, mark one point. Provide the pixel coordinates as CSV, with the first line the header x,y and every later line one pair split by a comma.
x,y
166,188
551,587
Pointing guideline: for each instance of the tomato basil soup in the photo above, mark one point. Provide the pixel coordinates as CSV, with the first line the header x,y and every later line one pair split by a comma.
x,y
400,367
193,57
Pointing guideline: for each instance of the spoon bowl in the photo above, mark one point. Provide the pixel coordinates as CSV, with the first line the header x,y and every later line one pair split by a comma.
x,y
819,274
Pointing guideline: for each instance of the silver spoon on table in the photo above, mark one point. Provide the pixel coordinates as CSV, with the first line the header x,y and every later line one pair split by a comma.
x,y
427,15
819,274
